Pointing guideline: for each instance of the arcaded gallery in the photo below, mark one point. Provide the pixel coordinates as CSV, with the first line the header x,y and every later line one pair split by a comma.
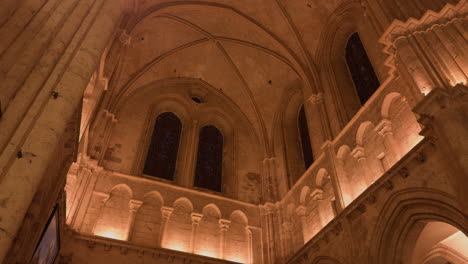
x,y
233,131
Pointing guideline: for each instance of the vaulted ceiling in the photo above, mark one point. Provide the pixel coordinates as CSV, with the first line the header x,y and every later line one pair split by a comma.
x,y
253,51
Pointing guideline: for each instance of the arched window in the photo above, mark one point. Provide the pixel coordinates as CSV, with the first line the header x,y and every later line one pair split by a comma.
x,y
305,139
210,159
162,153
361,69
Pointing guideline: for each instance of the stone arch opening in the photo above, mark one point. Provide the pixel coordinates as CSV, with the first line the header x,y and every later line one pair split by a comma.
x,y
415,225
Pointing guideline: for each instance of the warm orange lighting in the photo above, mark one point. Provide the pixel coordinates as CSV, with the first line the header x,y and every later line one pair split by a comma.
x,y
207,253
176,246
425,91
236,259
110,234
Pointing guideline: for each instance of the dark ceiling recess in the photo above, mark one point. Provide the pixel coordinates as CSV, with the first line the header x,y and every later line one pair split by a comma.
x,y
197,100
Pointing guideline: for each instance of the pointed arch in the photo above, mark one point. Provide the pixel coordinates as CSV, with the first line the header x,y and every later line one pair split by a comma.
x,y
403,210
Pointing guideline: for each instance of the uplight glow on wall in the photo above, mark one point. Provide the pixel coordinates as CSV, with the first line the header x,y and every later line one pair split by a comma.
x,y
110,233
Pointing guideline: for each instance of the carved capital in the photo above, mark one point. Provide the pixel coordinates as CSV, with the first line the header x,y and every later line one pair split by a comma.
x,y
316,98
105,196
196,217
301,211
384,127
317,194
224,224
358,153
125,38
166,211
134,205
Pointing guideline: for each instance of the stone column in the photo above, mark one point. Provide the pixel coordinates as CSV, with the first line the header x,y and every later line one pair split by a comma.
x,y
190,148
288,240
317,195
393,154
102,204
166,213
301,211
223,227
49,124
133,205
317,120
248,230
444,117
270,190
335,175
359,154
196,217
269,222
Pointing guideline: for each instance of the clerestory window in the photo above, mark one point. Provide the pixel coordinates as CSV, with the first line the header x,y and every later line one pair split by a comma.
x,y
305,139
208,170
363,74
162,154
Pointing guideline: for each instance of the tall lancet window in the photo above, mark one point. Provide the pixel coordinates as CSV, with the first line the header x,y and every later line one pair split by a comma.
x,y
361,69
162,153
305,139
210,159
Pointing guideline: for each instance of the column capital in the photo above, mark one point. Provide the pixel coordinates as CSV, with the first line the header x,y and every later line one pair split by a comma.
x,y
224,224
166,211
196,217
358,152
124,37
317,194
105,196
134,205
384,127
110,115
316,98
301,210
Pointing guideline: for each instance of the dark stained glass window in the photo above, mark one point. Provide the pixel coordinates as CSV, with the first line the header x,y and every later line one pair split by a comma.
x,y
305,139
210,159
361,69
162,153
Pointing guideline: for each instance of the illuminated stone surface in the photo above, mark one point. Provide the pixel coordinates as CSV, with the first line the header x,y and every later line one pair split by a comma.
x,y
83,82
